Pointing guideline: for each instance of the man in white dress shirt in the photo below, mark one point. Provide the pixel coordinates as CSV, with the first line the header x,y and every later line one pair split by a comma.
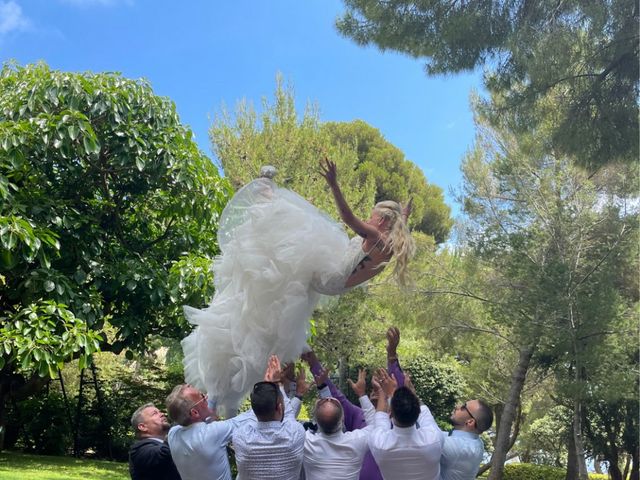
x,y
408,445
463,449
198,444
330,452
271,448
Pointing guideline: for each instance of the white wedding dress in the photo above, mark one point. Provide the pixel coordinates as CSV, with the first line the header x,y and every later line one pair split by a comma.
x,y
279,254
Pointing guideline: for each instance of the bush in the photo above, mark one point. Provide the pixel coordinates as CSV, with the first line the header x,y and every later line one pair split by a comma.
x,y
438,384
530,471
42,424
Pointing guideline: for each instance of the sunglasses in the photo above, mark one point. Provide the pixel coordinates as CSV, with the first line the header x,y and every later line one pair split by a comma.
x,y
466,409
202,399
322,401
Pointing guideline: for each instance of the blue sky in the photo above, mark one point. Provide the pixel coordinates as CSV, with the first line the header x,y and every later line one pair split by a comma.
x,y
207,53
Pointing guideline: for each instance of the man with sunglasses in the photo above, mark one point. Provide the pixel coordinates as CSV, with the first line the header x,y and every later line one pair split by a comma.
x,y
462,449
272,447
198,442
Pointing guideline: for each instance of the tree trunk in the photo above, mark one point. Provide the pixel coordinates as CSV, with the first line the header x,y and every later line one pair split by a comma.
x,y
614,471
577,441
76,432
503,438
572,460
635,467
597,465
627,465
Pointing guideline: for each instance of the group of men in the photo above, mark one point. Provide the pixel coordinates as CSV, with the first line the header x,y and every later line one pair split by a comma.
x,y
391,435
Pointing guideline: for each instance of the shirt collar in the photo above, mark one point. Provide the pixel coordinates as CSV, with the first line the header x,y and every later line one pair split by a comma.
x,y
462,433
269,425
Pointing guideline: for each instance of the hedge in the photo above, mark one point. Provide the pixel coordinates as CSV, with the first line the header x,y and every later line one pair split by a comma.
x,y
530,471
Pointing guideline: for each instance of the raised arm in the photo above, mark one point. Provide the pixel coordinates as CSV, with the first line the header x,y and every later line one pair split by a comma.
x,y
328,171
393,365
359,388
353,415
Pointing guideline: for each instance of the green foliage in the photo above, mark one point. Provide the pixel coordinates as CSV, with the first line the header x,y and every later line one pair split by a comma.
x,y
294,146
438,384
530,471
544,440
583,55
44,425
15,466
396,178
103,191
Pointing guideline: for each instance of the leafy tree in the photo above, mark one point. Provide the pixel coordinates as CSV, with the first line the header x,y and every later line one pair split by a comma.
x,y
552,236
585,54
103,192
294,146
395,177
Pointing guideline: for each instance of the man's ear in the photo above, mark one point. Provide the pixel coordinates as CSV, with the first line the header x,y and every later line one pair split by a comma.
x,y
142,428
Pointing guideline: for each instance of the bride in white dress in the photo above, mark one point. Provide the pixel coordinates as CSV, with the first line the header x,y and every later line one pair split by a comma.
x,y
279,254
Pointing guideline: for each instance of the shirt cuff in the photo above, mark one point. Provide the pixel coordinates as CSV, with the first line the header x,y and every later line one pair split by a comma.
x,y
365,402
324,392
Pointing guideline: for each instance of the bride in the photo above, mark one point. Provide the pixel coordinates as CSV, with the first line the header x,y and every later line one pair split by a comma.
x,y
279,254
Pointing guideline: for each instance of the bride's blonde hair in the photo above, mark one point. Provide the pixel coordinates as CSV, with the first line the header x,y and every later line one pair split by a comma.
x,y
399,239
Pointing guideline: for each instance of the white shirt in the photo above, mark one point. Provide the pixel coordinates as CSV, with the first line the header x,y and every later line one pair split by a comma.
x,y
199,450
462,453
271,450
407,453
338,455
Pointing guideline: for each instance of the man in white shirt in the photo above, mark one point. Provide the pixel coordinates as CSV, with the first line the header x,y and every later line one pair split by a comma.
x,y
462,450
330,452
198,444
408,445
271,448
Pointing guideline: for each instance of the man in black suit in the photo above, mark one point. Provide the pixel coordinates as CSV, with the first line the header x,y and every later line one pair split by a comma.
x,y
149,456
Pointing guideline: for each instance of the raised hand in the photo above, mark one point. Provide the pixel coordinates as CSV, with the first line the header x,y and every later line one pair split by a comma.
x,y
309,357
302,386
407,209
322,377
388,383
377,388
359,387
393,339
274,370
329,172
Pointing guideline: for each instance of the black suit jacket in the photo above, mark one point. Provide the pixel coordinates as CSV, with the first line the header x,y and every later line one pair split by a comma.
x,y
150,459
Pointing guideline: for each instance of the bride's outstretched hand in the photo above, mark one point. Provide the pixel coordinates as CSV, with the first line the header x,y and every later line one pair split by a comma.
x,y
328,171
407,209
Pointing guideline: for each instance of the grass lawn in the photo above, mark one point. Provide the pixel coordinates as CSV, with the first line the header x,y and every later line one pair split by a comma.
x,y
18,466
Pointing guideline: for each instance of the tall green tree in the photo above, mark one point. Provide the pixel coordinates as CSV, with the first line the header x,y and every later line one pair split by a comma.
x,y
395,177
551,235
108,216
586,53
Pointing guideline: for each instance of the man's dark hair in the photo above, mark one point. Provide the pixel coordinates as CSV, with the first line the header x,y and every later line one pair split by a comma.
x,y
405,407
484,417
264,400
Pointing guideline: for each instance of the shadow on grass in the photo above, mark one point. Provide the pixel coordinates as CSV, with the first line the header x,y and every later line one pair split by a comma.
x,y
18,466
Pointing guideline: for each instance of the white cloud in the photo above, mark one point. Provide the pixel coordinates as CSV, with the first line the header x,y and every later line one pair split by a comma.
x,y
11,18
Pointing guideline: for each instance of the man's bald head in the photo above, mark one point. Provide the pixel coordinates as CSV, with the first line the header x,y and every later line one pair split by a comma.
x,y
329,415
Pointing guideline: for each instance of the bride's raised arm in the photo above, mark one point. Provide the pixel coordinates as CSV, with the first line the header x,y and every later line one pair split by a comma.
x,y
363,229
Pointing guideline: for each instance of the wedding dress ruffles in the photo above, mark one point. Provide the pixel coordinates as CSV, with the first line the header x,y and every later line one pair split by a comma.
x,y
279,254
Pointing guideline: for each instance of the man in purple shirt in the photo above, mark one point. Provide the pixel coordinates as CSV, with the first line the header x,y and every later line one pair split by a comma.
x,y
353,415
